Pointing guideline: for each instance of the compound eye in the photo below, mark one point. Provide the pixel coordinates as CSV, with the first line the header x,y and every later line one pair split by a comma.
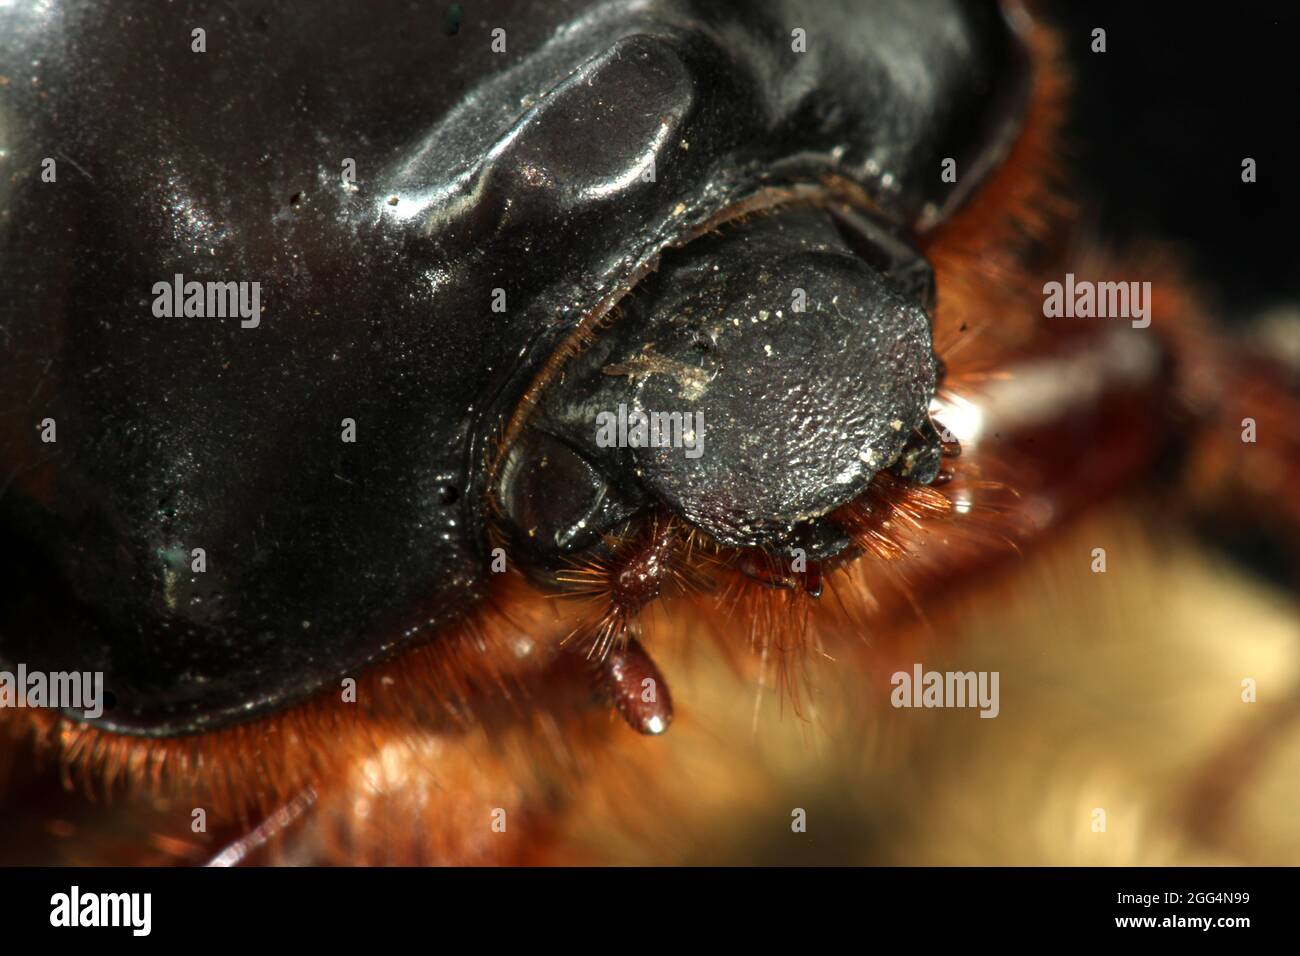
x,y
554,500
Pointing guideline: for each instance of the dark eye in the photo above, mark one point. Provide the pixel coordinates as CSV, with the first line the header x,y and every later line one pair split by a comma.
x,y
554,501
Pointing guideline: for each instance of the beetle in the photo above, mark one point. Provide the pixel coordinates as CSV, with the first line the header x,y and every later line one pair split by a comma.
x,y
378,299
464,252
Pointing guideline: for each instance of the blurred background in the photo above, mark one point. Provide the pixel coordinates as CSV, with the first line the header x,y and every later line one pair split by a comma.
x,y
1162,121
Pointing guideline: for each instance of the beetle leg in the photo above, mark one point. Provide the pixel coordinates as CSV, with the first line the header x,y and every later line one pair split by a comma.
x,y
623,672
812,579
240,850
630,679
633,579
1243,461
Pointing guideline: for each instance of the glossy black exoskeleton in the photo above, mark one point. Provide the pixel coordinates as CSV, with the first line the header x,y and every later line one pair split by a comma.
x,y
543,170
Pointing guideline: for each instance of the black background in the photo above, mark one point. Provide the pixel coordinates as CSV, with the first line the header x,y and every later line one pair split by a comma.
x,y
1161,122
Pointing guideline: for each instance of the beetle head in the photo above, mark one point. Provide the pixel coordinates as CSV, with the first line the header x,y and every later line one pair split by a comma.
x,y
758,381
